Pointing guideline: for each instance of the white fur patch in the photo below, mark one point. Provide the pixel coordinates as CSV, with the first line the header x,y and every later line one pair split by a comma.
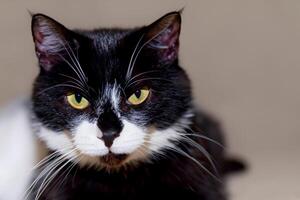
x,y
115,96
130,139
112,94
57,141
86,139
164,139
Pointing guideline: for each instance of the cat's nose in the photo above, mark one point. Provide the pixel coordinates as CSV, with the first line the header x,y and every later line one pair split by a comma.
x,y
110,126
108,137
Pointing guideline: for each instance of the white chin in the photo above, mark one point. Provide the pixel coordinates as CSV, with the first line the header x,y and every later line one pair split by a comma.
x,y
86,140
131,138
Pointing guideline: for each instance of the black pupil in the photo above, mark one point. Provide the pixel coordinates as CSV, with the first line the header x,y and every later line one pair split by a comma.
x,y
78,98
138,94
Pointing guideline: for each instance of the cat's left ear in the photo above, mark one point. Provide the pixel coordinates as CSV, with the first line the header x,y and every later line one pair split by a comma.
x,y
51,40
163,37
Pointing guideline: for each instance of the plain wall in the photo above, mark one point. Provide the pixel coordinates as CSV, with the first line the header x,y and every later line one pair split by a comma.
x,y
243,59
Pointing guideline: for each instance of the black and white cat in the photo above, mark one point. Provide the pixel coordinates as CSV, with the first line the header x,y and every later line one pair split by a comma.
x,y
115,110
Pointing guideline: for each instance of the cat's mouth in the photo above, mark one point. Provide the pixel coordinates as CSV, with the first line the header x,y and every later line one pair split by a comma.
x,y
113,160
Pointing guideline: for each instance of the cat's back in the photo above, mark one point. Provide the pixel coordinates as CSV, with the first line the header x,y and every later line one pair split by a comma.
x,y
17,149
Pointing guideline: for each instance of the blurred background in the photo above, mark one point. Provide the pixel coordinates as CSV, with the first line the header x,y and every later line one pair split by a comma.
x,y
243,59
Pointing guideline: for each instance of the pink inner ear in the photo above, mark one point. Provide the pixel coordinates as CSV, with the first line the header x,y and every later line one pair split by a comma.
x,y
50,38
48,46
45,60
170,36
38,36
167,43
167,38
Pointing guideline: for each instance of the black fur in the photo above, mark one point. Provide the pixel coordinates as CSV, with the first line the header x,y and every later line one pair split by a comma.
x,y
175,177
104,55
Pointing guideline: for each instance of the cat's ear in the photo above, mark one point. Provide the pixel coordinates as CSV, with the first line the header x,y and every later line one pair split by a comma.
x,y
163,37
50,39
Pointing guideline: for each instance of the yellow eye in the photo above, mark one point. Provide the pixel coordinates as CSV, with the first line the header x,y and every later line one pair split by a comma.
x,y
77,101
139,96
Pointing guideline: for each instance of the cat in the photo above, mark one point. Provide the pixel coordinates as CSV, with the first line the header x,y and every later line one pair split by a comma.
x,y
116,112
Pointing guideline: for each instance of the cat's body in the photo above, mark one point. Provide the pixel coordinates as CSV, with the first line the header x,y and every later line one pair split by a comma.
x,y
115,110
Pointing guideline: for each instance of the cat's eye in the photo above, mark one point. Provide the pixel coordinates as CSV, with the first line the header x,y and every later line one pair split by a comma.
x,y
77,101
139,96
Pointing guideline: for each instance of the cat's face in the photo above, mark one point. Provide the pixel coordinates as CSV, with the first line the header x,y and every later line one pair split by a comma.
x,y
109,97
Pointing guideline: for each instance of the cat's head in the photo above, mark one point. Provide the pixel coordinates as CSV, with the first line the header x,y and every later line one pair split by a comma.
x,y
109,97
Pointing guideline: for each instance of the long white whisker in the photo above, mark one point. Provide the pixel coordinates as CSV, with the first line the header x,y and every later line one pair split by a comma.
x,y
145,79
78,64
138,75
128,74
183,153
73,60
74,79
42,173
138,53
60,85
202,150
75,161
47,180
72,67
45,160
204,137
197,162
68,170
76,84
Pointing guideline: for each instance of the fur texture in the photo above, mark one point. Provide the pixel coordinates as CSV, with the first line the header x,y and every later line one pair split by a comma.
x,y
162,148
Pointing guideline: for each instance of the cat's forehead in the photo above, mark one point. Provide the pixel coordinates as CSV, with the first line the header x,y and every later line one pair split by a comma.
x,y
106,40
105,55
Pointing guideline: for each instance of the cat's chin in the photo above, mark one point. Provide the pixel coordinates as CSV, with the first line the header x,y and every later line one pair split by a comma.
x,y
114,162
111,160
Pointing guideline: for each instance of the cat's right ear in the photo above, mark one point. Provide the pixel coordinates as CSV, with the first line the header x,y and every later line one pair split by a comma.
x,y
51,40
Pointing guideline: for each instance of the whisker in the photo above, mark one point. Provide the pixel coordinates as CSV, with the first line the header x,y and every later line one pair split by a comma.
x,y
48,179
197,162
156,154
144,79
73,58
78,64
49,167
69,171
183,153
45,160
61,85
72,67
137,54
129,70
140,74
83,85
202,150
70,77
41,174
204,137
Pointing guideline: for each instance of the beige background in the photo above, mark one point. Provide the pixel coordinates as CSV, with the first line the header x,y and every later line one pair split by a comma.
x,y
243,58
